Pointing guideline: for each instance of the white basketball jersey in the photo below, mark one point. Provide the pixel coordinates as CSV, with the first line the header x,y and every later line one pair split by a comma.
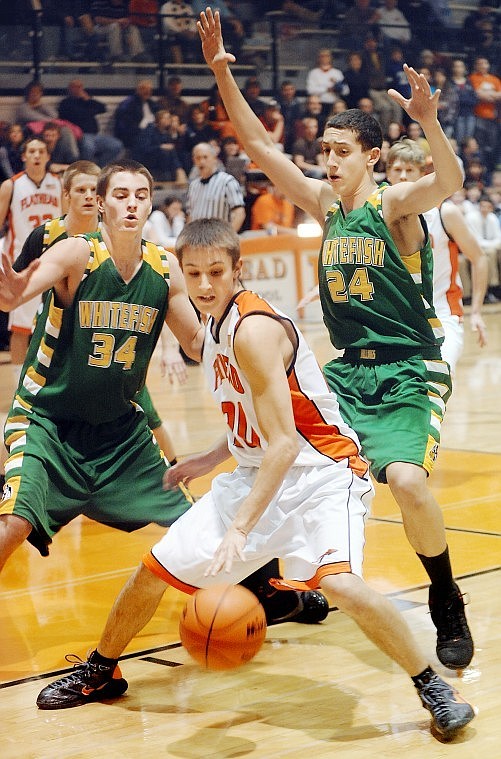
x,y
447,288
30,206
323,435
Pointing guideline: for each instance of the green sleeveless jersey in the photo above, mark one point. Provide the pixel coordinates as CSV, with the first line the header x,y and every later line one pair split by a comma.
x,y
87,361
371,296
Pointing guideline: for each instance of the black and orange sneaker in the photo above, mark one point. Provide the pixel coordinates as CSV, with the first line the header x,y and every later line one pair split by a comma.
x,y
89,681
454,641
449,711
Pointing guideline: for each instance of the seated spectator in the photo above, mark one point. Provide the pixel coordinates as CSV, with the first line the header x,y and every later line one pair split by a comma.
x,y
393,25
165,223
357,80
135,113
359,20
326,81
33,113
448,104
11,161
180,26
76,26
475,171
81,109
467,99
217,115
313,108
231,23
338,107
473,192
198,129
273,122
307,151
60,158
470,150
144,15
485,225
394,132
172,100
178,133
272,212
396,74
112,22
380,167
414,132
235,162
252,93
374,66
155,148
291,108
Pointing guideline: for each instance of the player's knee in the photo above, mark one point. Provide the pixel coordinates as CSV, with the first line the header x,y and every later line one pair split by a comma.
x,y
344,590
13,532
407,483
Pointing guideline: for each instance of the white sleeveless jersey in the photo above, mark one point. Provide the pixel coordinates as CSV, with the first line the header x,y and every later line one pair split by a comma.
x,y
31,205
323,435
447,288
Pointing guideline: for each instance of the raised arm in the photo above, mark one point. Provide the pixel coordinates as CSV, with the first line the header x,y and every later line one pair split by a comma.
x,y
457,228
181,317
306,193
263,350
431,190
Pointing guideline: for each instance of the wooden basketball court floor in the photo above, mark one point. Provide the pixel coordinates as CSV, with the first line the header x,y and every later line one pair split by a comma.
x,y
321,690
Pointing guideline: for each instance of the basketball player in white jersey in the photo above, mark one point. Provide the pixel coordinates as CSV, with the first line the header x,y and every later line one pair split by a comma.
x,y
27,200
448,234
300,490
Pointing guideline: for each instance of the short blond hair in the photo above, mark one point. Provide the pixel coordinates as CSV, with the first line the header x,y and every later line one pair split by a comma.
x,y
407,151
79,167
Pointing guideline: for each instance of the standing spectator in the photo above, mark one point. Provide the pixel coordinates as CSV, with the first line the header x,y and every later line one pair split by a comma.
x,y
11,160
272,212
135,113
485,225
26,201
179,25
291,109
307,151
166,222
326,81
81,108
214,194
393,25
113,23
467,99
172,100
448,105
374,65
33,113
155,148
488,90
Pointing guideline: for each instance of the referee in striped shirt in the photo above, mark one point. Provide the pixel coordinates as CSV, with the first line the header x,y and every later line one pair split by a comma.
x,y
214,194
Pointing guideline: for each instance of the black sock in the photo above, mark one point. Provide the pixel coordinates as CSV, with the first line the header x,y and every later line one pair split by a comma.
x,y
276,603
423,678
173,462
2,481
439,570
97,658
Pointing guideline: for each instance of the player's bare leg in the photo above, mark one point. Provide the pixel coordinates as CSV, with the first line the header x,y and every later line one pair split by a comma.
x,y
13,532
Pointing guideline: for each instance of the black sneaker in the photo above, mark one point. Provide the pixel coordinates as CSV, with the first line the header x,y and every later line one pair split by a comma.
x,y
454,641
449,711
88,682
312,607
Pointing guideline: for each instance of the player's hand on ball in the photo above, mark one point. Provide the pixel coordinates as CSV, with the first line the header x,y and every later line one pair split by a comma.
x,y
232,546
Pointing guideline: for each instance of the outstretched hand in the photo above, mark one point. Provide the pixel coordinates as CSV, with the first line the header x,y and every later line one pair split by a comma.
x,y
422,105
209,29
13,284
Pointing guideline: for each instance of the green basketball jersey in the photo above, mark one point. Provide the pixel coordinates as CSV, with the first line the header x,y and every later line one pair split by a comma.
x,y
87,361
372,296
39,240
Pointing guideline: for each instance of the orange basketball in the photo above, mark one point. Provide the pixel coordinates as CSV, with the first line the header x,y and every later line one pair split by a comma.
x,y
222,627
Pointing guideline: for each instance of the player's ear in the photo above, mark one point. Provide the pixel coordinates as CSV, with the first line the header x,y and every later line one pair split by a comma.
x,y
237,271
100,204
374,155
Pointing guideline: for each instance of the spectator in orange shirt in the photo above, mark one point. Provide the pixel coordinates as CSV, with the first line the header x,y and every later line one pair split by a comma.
x,y
488,90
272,212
